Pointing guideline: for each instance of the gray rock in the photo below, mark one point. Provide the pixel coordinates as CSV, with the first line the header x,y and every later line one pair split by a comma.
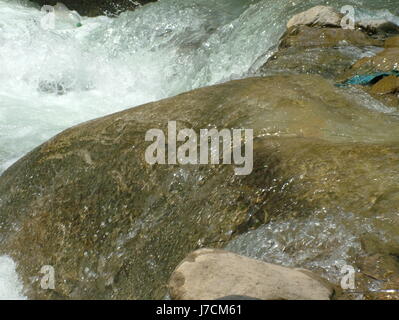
x,y
208,274
323,16
96,7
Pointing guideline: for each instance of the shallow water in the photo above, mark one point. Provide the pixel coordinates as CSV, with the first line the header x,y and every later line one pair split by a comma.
x,y
53,79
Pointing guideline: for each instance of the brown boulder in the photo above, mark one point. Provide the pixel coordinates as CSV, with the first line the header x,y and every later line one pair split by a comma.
x,y
331,63
392,42
386,85
329,52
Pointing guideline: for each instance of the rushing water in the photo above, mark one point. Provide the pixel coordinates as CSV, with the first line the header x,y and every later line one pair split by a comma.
x,y
53,79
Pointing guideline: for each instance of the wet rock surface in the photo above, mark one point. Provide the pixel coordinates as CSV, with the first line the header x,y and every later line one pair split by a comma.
x,y
329,52
392,42
331,63
335,53
385,61
323,37
113,226
386,85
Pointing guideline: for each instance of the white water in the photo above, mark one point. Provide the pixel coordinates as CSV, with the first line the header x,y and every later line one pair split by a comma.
x,y
110,64
10,286
53,79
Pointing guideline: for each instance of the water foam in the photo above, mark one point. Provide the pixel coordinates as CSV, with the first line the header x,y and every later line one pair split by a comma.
x,y
10,285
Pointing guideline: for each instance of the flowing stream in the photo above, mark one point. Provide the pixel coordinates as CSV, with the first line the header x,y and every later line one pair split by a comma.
x,y
52,79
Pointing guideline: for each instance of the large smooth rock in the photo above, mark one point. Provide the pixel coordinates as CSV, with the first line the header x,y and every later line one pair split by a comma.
x,y
322,16
383,61
209,274
331,63
94,8
113,226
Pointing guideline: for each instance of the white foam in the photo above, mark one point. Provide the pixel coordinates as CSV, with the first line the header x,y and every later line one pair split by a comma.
x,y
10,285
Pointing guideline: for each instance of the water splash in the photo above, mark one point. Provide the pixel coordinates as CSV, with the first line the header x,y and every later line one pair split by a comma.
x,y
10,286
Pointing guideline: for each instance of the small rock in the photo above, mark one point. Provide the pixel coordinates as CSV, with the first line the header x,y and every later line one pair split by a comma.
x,y
378,26
323,16
386,85
210,274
